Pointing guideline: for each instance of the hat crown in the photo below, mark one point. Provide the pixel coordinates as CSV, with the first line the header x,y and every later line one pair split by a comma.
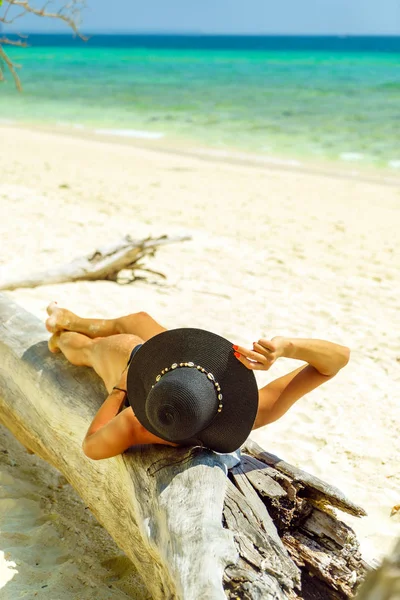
x,y
220,428
181,404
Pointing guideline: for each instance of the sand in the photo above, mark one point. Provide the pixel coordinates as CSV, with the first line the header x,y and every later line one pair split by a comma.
x,y
302,252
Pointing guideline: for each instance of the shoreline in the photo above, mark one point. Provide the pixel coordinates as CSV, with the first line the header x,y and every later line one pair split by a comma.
x,y
191,149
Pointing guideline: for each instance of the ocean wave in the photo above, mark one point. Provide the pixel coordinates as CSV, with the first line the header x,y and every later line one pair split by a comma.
x,y
394,164
351,156
70,124
268,160
133,133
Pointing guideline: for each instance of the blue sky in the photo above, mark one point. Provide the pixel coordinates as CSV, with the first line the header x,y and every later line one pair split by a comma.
x,y
360,17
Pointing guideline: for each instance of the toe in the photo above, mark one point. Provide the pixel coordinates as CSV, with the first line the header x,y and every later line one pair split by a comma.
x,y
51,307
53,343
51,324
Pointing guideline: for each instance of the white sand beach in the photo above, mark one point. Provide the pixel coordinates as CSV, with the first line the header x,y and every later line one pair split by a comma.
x,y
274,251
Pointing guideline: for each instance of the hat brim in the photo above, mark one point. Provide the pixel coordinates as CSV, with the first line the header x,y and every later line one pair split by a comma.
x,y
231,427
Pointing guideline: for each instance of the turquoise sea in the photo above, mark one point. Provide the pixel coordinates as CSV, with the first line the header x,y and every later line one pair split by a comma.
x,y
319,98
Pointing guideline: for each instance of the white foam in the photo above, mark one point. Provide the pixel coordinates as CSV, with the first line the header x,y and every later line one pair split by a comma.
x,y
135,133
268,160
351,156
7,121
70,125
394,164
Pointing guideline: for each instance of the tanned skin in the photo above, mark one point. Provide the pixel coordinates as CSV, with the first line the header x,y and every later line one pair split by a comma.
x,y
106,345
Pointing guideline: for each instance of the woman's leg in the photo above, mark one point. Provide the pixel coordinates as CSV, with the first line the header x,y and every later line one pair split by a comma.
x,y
140,324
107,356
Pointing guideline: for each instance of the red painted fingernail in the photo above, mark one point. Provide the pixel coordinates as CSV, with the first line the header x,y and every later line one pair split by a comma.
x,y
237,354
235,347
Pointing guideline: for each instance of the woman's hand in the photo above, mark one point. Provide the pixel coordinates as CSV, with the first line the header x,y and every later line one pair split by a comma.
x,y
264,353
328,358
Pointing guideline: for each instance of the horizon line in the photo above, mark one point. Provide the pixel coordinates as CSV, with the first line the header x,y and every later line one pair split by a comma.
x,y
205,34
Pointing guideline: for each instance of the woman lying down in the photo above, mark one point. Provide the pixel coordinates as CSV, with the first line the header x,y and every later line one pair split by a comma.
x,y
184,387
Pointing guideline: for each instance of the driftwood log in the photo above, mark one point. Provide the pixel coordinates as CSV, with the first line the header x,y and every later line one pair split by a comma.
x,y
325,550
266,531
103,264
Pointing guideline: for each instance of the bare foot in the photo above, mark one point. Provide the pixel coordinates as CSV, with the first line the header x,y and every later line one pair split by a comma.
x,y
60,319
53,343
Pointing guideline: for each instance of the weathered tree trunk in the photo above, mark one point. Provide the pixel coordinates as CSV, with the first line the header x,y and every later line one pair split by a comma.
x,y
324,549
191,531
168,522
102,264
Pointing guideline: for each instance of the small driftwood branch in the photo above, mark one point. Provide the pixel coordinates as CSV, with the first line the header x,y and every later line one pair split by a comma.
x,y
259,534
104,264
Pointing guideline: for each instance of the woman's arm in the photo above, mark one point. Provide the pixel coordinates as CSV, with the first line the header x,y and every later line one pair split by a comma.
x,y
328,358
113,438
111,406
324,359
112,432
100,438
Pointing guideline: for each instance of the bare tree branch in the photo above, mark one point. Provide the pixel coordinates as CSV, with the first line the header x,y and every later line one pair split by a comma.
x,y
14,18
4,18
11,67
6,41
68,12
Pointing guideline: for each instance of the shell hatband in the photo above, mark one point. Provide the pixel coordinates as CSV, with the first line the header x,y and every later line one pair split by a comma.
x,y
210,376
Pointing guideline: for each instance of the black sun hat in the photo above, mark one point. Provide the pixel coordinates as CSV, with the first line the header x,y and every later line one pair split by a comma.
x,y
186,386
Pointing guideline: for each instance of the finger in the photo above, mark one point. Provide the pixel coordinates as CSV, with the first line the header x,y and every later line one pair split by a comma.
x,y
256,356
253,366
267,345
261,350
